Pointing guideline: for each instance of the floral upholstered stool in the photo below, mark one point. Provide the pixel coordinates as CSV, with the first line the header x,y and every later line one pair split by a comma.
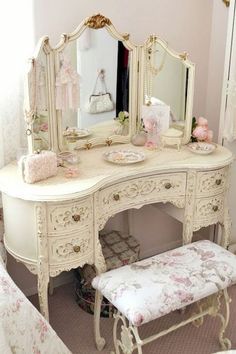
x,y
198,272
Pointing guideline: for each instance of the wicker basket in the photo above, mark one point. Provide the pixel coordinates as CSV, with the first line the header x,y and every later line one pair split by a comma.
x,y
118,250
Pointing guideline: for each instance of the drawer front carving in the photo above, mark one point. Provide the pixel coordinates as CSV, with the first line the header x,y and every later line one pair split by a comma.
x,y
64,250
211,182
135,191
70,216
209,209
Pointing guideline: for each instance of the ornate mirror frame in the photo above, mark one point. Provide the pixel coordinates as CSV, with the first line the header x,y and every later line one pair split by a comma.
x,y
183,57
30,100
97,22
136,86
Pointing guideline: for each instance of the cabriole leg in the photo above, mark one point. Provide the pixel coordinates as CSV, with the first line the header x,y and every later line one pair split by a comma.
x,y
100,267
43,280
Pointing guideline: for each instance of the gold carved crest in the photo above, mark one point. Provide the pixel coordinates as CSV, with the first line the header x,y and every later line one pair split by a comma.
x,y
97,21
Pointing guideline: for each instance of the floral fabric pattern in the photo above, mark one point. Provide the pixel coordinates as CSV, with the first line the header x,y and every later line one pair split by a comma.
x,y
22,328
153,287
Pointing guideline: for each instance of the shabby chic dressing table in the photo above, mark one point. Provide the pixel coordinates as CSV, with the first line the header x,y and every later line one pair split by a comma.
x,y
56,221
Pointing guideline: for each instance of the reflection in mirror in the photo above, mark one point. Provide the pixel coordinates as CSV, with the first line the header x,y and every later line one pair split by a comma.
x,y
166,82
96,100
39,100
168,87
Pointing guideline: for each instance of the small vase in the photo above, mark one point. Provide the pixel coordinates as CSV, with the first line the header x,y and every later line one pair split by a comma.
x,y
139,139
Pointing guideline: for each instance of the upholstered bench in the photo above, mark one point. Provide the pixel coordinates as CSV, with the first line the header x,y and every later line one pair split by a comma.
x,y
198,272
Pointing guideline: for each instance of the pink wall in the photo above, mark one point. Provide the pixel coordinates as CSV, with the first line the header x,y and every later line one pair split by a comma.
x,y
196,26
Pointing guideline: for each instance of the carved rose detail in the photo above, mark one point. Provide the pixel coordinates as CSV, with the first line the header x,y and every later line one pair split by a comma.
x,y
66,250
56,270
63,218
145,187
100,263
209,207
189,208
212,181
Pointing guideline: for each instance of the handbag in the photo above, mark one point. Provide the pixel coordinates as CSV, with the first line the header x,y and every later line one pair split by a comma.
x,y
36,167
102,101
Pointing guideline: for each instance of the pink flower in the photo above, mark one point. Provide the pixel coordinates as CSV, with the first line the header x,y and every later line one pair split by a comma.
x,y
202,121
200,132
150,145
182,280
71,172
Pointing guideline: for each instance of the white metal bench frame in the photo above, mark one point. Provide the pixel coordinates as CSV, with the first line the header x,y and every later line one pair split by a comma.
x,y
130,339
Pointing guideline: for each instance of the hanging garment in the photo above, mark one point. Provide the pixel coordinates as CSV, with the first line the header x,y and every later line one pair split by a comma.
x,y
41,101
67,87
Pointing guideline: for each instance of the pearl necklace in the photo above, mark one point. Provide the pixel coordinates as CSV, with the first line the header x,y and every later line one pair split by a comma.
x,y
151,71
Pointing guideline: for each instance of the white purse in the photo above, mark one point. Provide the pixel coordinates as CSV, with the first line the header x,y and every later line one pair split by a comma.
x,y
102,101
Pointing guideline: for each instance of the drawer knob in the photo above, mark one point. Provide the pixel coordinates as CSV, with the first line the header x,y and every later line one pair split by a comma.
x,y
215,207
76,248
218,182
167,185
76,217
116,196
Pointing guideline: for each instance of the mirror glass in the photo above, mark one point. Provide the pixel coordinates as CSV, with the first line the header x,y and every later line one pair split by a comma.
x,y
39,99
92,87
166,83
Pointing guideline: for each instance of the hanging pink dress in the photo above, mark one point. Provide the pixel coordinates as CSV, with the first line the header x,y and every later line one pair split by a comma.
x,y
67,87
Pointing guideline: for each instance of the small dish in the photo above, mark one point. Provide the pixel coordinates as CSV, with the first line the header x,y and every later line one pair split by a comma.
x,y
124,157
76,133
64,155
201,148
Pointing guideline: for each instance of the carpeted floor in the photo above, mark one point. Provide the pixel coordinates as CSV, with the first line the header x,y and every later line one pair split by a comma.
x,y
75,327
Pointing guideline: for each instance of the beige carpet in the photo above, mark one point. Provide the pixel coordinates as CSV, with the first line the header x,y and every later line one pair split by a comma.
x,y
75,327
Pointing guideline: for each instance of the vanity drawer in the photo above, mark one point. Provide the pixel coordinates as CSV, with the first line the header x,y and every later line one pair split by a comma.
x,y
211,182
210,209
165,187
69,249
69,216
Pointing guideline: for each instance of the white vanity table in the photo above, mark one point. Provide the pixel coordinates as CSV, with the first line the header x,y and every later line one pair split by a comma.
x,y
56,222
53,225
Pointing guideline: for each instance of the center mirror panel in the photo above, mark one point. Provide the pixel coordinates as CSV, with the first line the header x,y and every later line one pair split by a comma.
x,y
95,101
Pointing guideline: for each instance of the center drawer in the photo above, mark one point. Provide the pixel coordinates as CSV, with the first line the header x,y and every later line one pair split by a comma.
x,y
151,189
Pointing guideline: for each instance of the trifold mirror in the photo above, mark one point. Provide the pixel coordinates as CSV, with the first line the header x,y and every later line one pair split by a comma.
x,y
95,87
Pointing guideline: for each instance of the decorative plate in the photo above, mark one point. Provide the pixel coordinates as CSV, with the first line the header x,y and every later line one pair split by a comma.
x,y
201,147
124,157
76,133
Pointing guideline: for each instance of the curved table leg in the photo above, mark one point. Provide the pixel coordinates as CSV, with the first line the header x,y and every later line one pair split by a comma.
x,y
43,280
100,266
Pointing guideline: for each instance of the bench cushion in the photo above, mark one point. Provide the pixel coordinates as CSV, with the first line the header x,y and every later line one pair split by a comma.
x,y
153,287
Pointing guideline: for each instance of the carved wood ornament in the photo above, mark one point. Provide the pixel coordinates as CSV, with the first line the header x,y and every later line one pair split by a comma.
x,y
97,21
227,2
